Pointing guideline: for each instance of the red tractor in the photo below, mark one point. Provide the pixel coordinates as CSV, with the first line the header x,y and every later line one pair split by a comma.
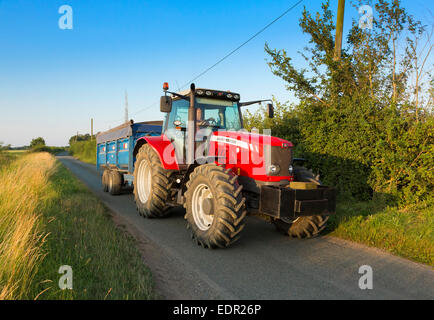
x,y
220,173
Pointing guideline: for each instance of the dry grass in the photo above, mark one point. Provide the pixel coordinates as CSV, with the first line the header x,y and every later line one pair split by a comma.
x,y
49,219
22,187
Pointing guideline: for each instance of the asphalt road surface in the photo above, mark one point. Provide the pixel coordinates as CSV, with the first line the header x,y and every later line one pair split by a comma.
x,y
263,264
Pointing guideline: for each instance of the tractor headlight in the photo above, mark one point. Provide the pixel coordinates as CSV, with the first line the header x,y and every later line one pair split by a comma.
x,y
274,169
291,170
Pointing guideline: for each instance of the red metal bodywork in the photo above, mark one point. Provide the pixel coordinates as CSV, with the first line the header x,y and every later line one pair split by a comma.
x,y
165,150
243,152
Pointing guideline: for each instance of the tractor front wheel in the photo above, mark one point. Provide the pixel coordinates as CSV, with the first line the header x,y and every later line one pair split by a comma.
x,y
215,207
303,227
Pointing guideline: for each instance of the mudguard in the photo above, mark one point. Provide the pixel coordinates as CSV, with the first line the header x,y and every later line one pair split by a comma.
x,y
165,150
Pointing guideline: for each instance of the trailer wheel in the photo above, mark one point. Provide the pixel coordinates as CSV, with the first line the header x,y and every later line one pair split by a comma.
x,y
152,184
215,206
115,182
104,180
303,227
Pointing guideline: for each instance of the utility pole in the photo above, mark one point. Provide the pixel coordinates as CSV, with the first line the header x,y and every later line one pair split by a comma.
x,y
126,106
339,30
91,129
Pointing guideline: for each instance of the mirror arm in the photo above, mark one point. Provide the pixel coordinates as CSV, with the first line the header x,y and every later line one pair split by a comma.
x,y
243,104
179,95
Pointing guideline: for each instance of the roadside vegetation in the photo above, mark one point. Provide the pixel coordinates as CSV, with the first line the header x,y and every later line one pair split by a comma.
x,y
52,150
84,150
407,231
36,145
49,219
365,123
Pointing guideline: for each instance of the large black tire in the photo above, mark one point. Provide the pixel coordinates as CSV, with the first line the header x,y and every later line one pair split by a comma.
x,y
303,227
305,175
104,180
115,182
153,202
226,210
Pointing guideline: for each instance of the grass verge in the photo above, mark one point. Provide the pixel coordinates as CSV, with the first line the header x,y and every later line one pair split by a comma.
x,y
407,232
49,219
23,184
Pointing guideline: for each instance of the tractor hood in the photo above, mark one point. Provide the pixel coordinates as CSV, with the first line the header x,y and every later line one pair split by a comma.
x,y
257,156
242,138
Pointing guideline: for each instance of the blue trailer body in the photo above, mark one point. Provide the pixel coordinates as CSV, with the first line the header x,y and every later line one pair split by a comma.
x,y
115,147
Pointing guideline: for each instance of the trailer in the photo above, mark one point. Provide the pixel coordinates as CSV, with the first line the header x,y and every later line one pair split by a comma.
x,y
114,154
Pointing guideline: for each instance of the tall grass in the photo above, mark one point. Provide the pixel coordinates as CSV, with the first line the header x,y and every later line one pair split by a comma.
x,y
49,219
22,188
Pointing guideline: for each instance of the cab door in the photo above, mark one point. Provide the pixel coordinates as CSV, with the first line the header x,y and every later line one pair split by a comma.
x,y
176,128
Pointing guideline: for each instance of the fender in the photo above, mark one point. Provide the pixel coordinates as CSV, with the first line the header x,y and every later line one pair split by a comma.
x,y
165,150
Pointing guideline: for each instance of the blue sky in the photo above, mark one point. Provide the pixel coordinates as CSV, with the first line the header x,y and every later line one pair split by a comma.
x,y
53,81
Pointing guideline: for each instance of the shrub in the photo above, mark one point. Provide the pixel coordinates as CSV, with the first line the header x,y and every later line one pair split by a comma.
x,y
42,148
84,150
359,121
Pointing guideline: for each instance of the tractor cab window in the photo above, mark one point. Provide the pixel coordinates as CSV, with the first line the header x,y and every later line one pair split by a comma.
x,y
179,115
218,114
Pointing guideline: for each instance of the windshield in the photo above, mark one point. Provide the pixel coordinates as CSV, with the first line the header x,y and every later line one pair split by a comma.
x,y
219,114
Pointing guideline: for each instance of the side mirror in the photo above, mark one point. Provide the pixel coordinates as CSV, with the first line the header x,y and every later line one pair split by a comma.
x,y
166,104
270,110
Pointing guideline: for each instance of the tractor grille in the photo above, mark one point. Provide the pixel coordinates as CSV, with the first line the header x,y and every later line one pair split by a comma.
x,y
283,158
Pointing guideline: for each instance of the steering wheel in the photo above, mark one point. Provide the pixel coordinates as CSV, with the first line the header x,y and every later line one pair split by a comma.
x,y
208,122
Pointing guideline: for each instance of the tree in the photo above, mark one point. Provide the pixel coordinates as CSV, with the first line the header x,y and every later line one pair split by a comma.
x,y
79,137
37,142
359,118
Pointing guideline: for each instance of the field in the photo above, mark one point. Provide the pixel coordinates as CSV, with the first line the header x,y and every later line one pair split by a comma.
x,y
48,219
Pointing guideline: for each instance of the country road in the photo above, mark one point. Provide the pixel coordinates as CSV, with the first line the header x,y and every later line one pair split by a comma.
x,y
263,264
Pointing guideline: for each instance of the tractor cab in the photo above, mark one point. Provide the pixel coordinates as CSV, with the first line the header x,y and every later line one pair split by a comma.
x,y
194,115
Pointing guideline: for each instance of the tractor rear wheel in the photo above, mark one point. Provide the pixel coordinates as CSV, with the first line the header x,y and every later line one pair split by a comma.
x,y
303,227
215,207
152,184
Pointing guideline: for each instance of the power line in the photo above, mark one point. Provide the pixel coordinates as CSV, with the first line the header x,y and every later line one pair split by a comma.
x,y
243,44
232,52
